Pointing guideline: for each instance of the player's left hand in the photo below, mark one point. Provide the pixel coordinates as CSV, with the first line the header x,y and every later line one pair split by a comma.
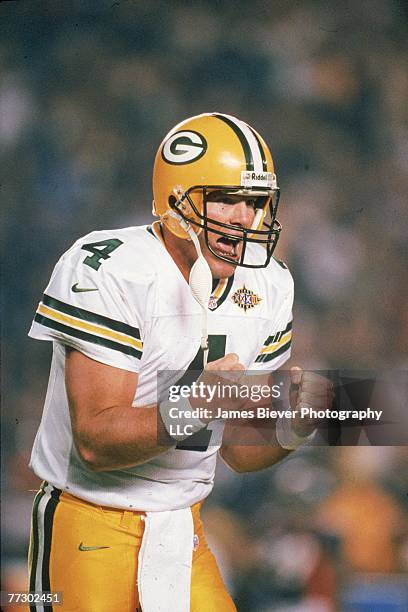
x,y
311,390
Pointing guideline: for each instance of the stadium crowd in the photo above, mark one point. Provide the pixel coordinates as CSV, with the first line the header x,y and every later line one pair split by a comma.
x,y
87,90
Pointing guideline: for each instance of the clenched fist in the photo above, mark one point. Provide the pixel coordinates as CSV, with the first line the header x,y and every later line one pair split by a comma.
x,y
308,390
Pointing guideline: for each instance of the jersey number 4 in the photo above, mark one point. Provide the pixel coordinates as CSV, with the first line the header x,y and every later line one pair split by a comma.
x,y
200,441
100,251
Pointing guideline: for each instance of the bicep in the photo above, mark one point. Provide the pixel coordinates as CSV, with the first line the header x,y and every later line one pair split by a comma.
x,y
93,387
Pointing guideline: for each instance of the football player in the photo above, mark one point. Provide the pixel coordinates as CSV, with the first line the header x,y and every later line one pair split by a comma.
x,y
116,524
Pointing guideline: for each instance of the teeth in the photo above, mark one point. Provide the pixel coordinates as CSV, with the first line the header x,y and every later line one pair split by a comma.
x,y
231,251
228,245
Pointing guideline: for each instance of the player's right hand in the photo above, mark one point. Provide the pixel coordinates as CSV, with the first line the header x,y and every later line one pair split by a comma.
x,y
227,363
227,370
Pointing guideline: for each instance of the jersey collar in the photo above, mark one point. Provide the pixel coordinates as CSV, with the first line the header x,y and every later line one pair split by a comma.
x,y
155,230
220,291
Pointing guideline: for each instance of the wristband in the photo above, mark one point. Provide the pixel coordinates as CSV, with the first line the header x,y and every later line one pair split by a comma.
x,y
178,424
287,438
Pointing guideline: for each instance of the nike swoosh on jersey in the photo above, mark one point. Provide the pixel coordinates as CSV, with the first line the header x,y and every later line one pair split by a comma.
x,y
77,289
82,547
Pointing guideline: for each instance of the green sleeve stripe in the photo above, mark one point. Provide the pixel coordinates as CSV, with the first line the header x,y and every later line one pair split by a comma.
x,y
270,356
276,337
92,317
71,331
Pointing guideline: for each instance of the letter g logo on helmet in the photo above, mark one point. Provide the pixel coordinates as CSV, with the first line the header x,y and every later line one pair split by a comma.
x,y
184,147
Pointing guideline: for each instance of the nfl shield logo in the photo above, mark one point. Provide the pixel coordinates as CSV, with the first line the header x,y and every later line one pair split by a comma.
x,y
212,303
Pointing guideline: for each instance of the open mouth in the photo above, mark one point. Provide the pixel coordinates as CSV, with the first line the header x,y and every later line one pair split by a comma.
x,y
228,246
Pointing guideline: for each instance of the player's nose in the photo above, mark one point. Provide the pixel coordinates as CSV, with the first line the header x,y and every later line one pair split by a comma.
x,y
242,214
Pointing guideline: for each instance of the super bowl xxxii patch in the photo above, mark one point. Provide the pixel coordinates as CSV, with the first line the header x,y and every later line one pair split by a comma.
x,y
245,298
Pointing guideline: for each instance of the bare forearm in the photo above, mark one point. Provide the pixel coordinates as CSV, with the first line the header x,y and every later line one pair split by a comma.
x,y
120,437
249,448
252,458
108,432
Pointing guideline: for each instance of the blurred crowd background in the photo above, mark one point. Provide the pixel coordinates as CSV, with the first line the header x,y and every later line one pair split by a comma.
x,y
87,91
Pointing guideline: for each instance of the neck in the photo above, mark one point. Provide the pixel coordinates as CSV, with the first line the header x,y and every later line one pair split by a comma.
x,y
182,251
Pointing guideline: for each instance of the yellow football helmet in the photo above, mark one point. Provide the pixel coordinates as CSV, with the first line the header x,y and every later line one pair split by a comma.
x,y
219,153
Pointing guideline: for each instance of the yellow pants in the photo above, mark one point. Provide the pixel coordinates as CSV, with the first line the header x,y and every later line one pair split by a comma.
x,y
90,553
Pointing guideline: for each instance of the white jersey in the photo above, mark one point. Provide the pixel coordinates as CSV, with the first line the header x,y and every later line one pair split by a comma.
x,y
119,298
